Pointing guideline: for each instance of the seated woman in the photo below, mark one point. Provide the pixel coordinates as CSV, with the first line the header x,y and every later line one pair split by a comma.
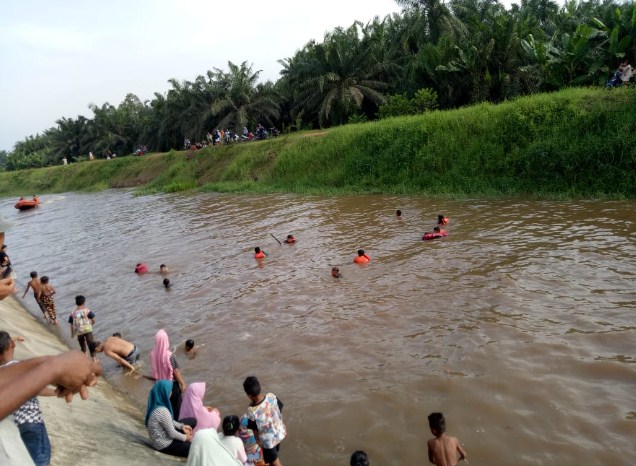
x,y
626,71
207,450
192,407
167,435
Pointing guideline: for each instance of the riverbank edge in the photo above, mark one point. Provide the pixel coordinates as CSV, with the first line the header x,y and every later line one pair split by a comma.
x,y
107,428
572,144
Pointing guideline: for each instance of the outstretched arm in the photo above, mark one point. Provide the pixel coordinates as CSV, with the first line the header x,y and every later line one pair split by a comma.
x,y
71,372
462,452
27,289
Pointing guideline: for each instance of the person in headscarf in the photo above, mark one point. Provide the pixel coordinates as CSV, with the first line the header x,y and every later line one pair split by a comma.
x,y
167,435
165,366
207,450
192,407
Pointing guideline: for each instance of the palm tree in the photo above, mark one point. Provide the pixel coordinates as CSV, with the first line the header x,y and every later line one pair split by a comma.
x,y
242,101
69,138
337,78
436,16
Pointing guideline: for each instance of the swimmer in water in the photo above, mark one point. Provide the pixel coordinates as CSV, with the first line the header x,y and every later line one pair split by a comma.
x,y
441,231
362,257
258,254
398,214
163,269
437,233
441,220
189,346
335,272
190,349
166,283
291,239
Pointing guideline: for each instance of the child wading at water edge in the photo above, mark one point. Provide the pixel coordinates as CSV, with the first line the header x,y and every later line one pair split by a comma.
x,y
443,449
46,297
265,419
82,320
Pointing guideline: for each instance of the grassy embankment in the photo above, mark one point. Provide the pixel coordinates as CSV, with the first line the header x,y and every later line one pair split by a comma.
x,y
574,143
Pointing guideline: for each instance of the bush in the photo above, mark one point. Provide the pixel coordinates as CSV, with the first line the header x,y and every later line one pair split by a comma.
x,y
399,105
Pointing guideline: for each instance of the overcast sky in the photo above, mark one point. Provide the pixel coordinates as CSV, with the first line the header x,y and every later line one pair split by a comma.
x,y
57,57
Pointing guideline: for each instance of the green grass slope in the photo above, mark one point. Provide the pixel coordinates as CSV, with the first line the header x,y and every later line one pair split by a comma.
x,y
575,143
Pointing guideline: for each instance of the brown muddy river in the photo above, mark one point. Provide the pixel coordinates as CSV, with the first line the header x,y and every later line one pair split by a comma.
x,y
519,326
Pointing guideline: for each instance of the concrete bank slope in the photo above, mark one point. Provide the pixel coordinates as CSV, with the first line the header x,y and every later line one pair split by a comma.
x,y
106,429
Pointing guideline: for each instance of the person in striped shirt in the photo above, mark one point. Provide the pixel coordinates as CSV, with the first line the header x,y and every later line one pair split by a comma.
x,y
167,435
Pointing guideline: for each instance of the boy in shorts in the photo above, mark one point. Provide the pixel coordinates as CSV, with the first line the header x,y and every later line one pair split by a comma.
x,y
82,320
265,419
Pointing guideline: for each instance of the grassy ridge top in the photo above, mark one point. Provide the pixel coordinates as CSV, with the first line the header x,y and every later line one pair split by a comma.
x,y
574,143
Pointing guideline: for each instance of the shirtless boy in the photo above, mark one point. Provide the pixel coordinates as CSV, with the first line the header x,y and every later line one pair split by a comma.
x,y
443,449
36,286
122,351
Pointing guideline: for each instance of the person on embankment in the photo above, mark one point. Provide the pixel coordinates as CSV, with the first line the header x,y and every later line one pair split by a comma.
x,y
123,352
36,286
46,296
166,435
164,366
28,417
82,320
71,372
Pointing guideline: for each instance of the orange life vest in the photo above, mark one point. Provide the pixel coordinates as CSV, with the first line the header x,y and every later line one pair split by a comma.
x,y
361,259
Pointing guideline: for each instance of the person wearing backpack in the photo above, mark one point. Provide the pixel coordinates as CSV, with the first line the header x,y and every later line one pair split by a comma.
x,y
82,320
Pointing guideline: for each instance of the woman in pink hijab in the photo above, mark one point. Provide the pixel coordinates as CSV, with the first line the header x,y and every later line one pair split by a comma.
x,y
165,366
192,407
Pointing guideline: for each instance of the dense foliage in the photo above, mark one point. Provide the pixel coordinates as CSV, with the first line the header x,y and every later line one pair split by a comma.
x,y
431,55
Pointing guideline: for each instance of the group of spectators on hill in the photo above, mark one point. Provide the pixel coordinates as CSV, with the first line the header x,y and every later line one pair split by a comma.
x,y
623,75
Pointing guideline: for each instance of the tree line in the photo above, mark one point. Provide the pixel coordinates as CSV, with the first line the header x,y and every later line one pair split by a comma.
x,y
433,54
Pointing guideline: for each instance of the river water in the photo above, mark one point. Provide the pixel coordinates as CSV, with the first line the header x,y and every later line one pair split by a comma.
x,y
519,326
